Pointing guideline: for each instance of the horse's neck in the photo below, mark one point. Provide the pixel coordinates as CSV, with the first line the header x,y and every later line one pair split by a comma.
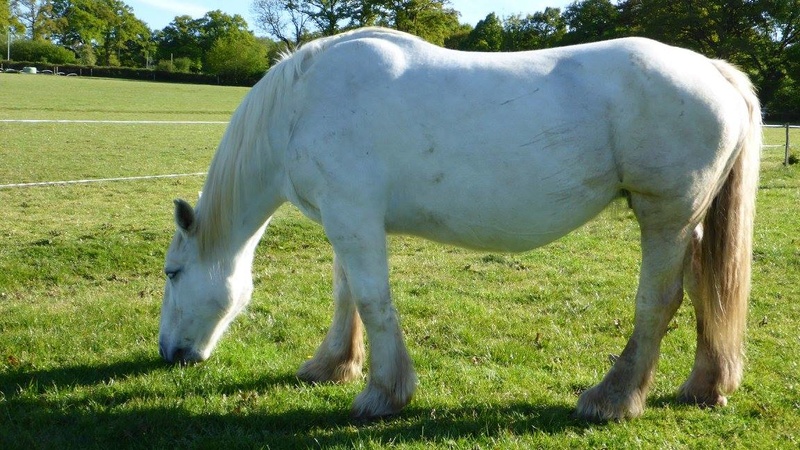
x,y
234,218
244,180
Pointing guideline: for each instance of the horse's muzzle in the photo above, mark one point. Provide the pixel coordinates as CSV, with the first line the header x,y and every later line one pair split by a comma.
x,y
180,355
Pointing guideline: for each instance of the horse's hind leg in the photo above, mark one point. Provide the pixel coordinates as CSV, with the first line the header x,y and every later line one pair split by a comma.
x,y
622,392
340,356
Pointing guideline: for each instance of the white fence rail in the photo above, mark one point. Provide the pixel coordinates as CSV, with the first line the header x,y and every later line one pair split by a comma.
x,y
99,180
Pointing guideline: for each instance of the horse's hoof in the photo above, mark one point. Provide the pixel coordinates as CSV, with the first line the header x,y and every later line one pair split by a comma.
x,y
596,405
701,398
313,371
374,403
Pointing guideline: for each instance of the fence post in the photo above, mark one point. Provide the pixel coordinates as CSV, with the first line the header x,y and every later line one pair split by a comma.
x,y
786,152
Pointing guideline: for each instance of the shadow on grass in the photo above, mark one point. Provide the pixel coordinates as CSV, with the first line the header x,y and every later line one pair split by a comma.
x,y
87,415
73,376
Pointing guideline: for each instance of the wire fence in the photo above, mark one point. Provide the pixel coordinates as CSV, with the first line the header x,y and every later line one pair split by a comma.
x,y
787,143
112,122
99,180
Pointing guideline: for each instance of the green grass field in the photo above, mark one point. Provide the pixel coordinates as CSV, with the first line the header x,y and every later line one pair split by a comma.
x,y
503,344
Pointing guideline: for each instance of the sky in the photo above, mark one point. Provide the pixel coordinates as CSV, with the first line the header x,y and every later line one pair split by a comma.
x,y
157,14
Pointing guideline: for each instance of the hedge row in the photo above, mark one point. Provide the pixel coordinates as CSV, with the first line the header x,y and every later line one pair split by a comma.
x,y
133,73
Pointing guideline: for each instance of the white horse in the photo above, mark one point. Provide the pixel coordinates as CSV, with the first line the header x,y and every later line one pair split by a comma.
x,y
375,132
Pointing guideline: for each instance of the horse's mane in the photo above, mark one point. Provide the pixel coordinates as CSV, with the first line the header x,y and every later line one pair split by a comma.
x,y
239,152
245,144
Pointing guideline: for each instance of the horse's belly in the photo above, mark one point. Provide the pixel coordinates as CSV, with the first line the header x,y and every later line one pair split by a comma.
x,y
506,220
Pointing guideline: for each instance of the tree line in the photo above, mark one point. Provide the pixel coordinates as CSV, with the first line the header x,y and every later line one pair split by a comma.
x,y
761,36
107,33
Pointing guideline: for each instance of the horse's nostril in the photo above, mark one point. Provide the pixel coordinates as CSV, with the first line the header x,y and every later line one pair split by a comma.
x,y
179,355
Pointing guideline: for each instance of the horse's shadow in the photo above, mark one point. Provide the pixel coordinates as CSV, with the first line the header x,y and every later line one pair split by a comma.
x,y
36,415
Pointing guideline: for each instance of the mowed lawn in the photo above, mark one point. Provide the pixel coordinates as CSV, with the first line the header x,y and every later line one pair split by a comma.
x,y
503,343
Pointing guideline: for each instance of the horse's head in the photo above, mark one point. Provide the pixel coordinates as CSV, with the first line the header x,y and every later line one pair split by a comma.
x,y
203,293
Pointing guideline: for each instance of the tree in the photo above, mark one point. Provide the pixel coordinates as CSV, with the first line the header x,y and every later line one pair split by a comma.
x,y
105,31
774,54
8,22
591,20
35,16
124,37
181,38
282,20
431,20
457,40
86,55
216,25
77,24
293,22
331,16
487,36
237,58
715,28
5,15
543,29
193,39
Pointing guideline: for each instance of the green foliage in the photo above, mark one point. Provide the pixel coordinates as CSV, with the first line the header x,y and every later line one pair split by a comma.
x,y
116,36
592,20
539,30
761,36
431,20
785,105
6,17
193,39
487,36
44,51
237,58
293,22
34,16
185,65
182,64
86,55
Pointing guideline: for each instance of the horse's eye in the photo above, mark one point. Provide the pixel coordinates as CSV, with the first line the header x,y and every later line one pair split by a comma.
x,y
171,274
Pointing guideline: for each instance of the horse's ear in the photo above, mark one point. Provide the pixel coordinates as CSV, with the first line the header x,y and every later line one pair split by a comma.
x,y
184,216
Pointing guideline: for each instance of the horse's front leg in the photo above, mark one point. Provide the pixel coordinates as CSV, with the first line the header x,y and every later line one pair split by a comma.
x,y
340,356
622,392
361,250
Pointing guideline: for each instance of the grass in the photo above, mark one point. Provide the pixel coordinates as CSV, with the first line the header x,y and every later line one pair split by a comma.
x,y
503,344
50,97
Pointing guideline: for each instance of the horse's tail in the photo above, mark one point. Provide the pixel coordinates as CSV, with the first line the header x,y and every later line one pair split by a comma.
x,y
721,262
